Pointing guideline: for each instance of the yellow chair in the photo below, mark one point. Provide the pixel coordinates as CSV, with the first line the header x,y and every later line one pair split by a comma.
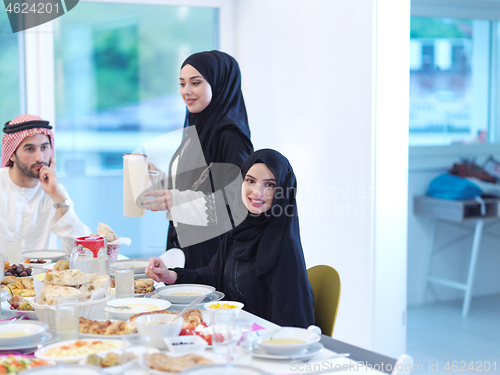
x,y
325,283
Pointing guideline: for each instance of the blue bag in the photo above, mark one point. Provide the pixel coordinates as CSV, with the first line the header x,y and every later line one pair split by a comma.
x,y
451,187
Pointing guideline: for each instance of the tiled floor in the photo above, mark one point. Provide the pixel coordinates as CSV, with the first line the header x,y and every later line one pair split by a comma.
x,y
437,334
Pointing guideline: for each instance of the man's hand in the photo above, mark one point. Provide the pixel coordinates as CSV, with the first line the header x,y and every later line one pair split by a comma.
x,y
162,200
48,180
157,270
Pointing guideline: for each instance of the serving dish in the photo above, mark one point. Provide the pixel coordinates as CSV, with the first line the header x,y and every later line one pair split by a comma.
x,y
23,331
31,315
287,341
114,307
44,338
308,353
185,344
117,336
118,369
154,328
143,362
68,354
225,370
184,293
16,363
214,296
53,255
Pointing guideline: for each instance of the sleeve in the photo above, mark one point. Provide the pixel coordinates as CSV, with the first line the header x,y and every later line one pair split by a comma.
x,y
234,147
69,226
209,275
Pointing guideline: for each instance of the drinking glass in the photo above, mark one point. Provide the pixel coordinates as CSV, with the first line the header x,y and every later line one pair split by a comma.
x,y
243,347
14,252
150,180
124,281
223,334
67,320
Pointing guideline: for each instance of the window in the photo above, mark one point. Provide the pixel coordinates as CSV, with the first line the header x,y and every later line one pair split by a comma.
x,y
10,105
116,88
451,81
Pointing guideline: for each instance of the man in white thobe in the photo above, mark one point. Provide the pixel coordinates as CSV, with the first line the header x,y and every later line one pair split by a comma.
x,y
34,206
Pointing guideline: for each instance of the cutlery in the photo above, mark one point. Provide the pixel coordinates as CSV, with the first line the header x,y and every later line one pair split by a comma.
x,y
188,307
120,307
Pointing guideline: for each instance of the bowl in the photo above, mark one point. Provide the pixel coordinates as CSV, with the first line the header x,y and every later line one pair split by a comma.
x,y
19,332
284,341
225,306
185,344
135,306
154,328
184,293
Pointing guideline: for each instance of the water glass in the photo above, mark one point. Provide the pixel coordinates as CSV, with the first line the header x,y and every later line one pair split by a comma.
x,y
150,180
67,320
124,281
243,347
14,252
223,327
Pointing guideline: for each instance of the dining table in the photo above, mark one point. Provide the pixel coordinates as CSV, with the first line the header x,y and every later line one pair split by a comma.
x,y
326,361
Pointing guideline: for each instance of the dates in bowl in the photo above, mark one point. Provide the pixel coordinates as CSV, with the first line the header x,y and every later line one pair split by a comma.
x,y
18,270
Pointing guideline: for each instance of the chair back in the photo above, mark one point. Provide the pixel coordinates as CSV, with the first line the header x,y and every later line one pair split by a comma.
x,y
325,283
173,258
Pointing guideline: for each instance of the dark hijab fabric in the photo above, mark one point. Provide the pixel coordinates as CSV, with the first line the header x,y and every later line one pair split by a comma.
x,y
261,262
224,136
227,108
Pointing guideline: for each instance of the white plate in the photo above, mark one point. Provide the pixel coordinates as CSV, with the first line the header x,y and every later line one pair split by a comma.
x,y
49,266
308,353
212,297
115,369
43,338
211,356
170,292
30,330
139,264
38,265
40,353
31,315
96,336
125,314
53,255
72,369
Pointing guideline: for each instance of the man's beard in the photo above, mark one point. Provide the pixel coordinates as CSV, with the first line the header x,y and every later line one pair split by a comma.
x,y
26,170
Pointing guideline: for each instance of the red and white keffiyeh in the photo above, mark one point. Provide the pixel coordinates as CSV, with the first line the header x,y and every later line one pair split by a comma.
x,y
11,142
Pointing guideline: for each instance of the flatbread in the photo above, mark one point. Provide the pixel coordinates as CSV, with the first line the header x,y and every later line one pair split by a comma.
x,y
72,277
50,293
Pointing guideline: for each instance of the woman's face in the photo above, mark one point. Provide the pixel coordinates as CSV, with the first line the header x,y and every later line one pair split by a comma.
x,y
258,189
195,90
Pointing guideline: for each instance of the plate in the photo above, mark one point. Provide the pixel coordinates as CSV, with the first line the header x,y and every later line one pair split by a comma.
x,y
308,353
212,297
96,336
28,314
119,369
4,295
184,293
49,266
53,255
37,265
40,353
64,370
139,265
125,314
26,331
43,338
211,356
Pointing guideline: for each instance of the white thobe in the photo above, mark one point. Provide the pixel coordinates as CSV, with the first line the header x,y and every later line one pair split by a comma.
x,y
28,215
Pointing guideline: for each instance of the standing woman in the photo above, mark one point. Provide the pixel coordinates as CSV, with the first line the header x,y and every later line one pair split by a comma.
x,y
216,131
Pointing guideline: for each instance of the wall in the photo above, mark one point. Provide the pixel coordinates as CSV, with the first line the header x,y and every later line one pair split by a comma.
x,y
451,262
324,85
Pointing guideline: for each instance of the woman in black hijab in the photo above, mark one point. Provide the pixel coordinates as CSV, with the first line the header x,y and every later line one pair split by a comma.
x,y
216,135
260,263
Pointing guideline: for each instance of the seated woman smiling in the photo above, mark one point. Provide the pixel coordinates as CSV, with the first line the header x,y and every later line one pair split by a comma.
x,y
260,262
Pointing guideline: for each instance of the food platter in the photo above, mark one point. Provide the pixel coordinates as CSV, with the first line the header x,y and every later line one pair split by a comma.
x,y
208,355
101,346
98,336
53,255
28,314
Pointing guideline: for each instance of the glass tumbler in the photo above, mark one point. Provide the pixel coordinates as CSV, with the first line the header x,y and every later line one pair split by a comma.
x,y
67,320
124,281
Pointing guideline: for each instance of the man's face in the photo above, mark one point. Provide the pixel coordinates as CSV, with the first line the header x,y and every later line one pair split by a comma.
x,y
32,154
